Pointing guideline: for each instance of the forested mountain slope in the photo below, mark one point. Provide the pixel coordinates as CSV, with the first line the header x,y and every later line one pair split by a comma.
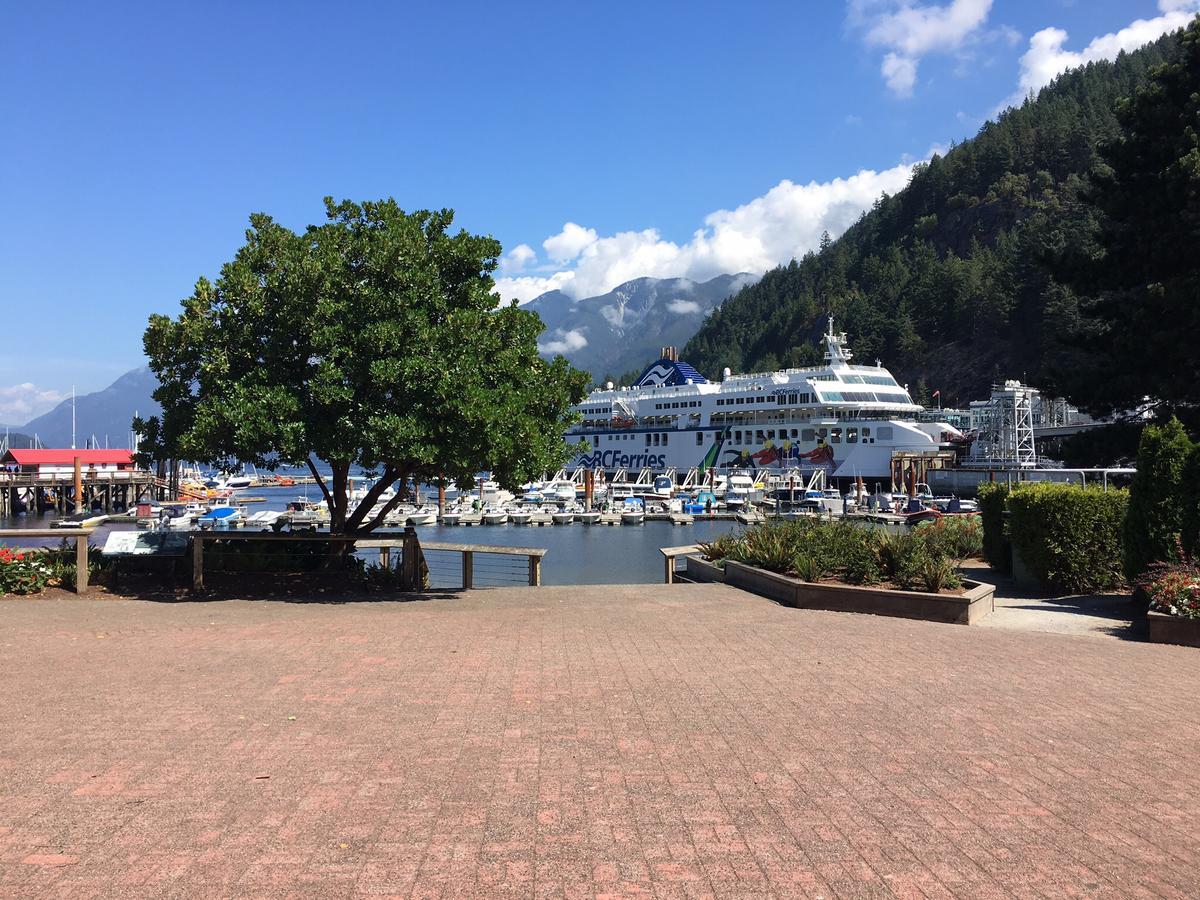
x,y
948,281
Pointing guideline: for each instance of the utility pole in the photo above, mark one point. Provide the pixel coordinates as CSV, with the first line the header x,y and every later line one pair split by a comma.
x,y
72,417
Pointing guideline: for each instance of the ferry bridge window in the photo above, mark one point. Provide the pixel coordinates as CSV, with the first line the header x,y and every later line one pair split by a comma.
x,y
884,432
836,436
647,439
794,432
758,437
822,433
737,437
866,433
851,435
699,437
808,435
665,436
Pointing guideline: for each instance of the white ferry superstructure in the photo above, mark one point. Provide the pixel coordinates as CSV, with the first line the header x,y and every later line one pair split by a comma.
x,y
846,419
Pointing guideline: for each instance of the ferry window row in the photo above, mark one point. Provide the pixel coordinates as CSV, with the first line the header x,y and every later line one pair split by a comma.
x,y
809,435
595,410
684,404
656,436
863,397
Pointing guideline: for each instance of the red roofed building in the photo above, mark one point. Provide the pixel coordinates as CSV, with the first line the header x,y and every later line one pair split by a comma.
x,y
62,462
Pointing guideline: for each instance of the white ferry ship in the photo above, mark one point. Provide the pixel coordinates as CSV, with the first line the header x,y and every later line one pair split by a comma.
x,y
845,419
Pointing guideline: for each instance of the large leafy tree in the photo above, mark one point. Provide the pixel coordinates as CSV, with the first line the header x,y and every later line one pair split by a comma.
x,y
1146,276
373,340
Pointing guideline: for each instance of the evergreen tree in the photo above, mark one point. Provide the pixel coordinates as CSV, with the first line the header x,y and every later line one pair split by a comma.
x,y
1154,521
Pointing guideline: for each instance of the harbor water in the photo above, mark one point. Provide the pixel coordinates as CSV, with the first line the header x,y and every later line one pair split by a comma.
x,y
577,554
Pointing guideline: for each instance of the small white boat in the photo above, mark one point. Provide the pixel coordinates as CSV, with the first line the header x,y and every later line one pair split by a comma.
x,y
451,517
562,517
589,518
634,512
421,517
495,516
520,516
219,517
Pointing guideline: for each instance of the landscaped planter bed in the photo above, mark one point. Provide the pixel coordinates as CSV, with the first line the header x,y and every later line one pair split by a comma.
x,y
975,602
1165,629
702,571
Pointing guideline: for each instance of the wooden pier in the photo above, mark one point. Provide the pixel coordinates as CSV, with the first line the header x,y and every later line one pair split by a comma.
x,y
99,492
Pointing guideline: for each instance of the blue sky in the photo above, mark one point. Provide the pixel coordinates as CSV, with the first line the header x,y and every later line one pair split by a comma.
x,y
139,138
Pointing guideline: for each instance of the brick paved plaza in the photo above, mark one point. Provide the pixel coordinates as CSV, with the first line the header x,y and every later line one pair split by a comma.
x,y
684,741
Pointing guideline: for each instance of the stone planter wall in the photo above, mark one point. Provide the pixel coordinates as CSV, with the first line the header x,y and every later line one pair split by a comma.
x,y
702,571
1166,629
969,607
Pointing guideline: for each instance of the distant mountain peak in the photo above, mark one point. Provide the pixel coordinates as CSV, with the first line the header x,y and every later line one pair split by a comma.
x,y
624,328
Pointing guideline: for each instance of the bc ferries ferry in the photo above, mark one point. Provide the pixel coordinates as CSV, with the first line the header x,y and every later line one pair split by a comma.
x,y
845,419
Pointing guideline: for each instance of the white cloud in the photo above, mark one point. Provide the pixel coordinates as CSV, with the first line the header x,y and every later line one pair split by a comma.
x,y
569,243
1046,59
683,307
518,258
908,31
900,73
563,341
21,402
784,223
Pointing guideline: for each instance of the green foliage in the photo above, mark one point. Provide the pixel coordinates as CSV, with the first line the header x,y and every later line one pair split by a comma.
x,y
816,549
1156,506
1144,275
277,557
954,537
950,280
1069,536
997,550
372,340
1190,500
905,557
23,573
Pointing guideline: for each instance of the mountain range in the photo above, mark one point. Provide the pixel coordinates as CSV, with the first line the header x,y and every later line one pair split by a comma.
x,y
104,416
964,277
622,330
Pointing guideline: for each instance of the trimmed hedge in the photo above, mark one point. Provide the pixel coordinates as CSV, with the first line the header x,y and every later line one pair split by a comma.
x,y
996,547
1069,536
1156,504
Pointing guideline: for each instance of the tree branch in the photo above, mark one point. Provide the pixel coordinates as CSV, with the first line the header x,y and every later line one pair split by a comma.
x,y
312,467
368,502
383,513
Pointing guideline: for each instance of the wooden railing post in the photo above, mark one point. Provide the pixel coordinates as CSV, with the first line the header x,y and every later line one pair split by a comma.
x,y
670,573
410,565
468,569
81,564
197,563
535,571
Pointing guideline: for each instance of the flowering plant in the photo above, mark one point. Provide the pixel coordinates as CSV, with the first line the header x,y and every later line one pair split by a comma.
x,y
22,573
1174,587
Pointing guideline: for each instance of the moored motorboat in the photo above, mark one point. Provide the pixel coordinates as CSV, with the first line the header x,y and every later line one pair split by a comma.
x,y
492,516
634,512
520,516
451,517
562,517
421,517
591,517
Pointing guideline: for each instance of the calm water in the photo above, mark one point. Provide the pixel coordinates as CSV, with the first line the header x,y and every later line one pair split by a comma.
x,y
578,554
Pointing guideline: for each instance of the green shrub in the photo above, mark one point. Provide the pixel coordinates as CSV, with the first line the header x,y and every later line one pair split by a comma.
x,y
719,548
938,574
1191,503
1154,523
954,537
904,558
995,544
1069,536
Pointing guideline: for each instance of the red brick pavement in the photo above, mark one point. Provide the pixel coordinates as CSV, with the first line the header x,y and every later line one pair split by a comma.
x,y
567,742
